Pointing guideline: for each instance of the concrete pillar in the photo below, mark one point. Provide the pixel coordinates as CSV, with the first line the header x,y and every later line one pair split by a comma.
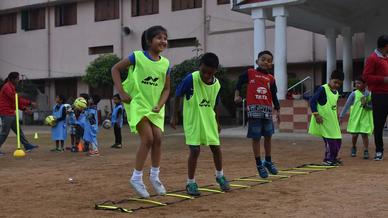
x,y
347,58
258,16
331,52
280,13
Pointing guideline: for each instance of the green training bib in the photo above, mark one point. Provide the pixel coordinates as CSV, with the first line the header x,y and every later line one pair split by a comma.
x,y
361,119
145,83
330,127
199,117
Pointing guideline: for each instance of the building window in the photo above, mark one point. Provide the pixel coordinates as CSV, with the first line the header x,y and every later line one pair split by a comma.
x,y
106,10
185,42
144,7
66,87
104,92
34,19
66,14
222,2
8,23
101,50
185,4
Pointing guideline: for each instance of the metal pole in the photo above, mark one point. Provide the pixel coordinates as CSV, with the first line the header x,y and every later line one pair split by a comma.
x,y
243,111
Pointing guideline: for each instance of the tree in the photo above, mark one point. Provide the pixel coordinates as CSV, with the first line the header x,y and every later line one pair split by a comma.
x,y
98,72
179,72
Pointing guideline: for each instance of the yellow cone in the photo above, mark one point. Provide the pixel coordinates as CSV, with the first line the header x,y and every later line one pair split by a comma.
x,y
19,153
36,136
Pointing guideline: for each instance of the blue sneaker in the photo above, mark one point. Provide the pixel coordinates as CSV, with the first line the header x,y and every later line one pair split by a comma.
x,y
192,189
224,184
30,147
262,171
353,151
271,167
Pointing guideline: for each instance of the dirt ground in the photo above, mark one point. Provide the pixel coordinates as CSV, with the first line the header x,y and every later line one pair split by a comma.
x,y
38,185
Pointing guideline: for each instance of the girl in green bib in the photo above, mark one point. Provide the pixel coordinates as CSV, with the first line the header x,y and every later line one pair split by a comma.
x,y
200,91
361,117
144,94
324,122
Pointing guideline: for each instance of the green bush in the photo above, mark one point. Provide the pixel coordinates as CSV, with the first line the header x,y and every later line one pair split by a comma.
x,y
98,72
179,72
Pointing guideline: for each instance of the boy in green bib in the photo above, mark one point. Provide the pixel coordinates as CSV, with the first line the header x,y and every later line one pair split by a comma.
x,y
144,94
361,117
324,122
200,91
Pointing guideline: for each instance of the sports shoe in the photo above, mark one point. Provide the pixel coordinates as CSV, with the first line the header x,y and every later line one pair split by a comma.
x,y
116,146
353,151
73,149
93,153
158,186
224,184
262,171
329,163
271,167
338,162
379,156
30,147
192,189
366,154
139,188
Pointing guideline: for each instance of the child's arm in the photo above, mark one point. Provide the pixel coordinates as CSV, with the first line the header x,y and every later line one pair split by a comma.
x,y
242,79
275,100
182,90
348,104
217,110
116,69
318,97
174,117
164,96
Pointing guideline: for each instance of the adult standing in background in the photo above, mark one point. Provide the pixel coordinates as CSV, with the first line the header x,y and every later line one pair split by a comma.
x,y
376,75
7,110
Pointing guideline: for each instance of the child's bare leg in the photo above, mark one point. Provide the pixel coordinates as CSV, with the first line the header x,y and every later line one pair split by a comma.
x,y
192,161
146,141
156,149
256,147
354,139
217,157
365,141
267,145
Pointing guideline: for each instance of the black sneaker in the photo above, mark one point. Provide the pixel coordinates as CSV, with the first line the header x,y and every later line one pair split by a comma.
x,y
73,149
353,151
192,189
366,154
224,184
379,156
329,163
116,146
271,167
30,147
338,162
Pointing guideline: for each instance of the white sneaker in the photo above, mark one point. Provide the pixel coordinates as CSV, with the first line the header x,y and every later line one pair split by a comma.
x,y
158,186
139,188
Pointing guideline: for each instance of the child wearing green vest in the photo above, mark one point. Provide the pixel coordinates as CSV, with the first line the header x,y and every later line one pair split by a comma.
x,y
361,117
144,94
324,122
200,91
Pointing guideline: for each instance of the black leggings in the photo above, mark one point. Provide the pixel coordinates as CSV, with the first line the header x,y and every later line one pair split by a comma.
x,y
380,112
117,130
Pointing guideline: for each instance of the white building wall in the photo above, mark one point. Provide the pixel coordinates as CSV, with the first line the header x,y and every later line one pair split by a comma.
x,y
27,52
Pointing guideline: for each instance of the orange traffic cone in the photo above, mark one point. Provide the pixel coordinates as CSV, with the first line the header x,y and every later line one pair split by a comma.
x,y
80,147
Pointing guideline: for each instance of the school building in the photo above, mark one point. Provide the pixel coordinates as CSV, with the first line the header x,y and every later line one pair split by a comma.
x,y
51,42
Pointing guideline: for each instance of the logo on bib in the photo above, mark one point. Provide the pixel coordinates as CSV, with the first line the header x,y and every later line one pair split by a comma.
x,y
150,81
204,103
